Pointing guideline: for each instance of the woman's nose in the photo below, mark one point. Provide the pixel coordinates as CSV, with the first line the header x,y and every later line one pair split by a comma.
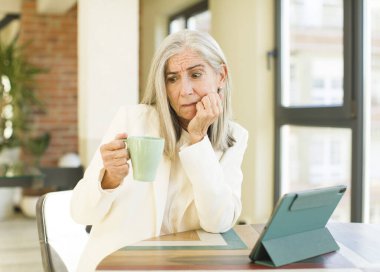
x,y
186,87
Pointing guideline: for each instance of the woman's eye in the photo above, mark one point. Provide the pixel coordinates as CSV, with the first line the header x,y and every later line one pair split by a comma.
x,y
171,79
196,75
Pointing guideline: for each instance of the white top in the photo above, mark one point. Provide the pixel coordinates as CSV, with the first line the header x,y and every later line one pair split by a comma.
x,y
206,191
179,188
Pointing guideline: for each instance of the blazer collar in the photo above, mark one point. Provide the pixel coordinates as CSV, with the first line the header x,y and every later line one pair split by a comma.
x,y
160,184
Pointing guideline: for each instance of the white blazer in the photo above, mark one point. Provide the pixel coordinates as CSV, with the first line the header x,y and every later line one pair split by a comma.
x,y
134,211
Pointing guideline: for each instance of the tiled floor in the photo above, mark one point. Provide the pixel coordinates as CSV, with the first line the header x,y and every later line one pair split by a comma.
x,y
19,246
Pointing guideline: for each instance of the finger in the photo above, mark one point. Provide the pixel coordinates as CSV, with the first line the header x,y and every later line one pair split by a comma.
x,y
121,136
119,170
120,153
207,103
214,99
119,162
200,107
114,145
213,109
115,163
109,156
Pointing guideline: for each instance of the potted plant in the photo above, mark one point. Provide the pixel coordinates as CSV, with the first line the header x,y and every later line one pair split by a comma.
x,y
17,102
17,99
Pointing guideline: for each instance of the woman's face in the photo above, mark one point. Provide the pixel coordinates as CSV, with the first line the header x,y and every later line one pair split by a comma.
x,y
188,79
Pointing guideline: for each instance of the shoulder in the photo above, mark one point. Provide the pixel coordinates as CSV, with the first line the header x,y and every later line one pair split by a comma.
x,y
238,131
141,119
136,111
131,114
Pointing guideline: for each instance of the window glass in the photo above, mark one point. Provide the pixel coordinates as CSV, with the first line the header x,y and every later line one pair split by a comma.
x,y
177,25
200,21
313,53
374,192
315,157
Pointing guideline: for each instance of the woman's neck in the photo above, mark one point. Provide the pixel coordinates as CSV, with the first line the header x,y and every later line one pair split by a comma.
x,y
184,123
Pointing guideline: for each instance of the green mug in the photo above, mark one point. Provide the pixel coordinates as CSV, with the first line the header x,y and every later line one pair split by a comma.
x,y
145,153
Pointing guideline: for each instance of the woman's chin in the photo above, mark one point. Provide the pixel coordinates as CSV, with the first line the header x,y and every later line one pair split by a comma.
x,y
188,114
186,118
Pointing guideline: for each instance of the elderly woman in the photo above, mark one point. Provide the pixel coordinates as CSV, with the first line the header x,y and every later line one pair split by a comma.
x,y
198,183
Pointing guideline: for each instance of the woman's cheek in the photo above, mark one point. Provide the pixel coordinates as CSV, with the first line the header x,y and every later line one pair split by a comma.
x,y
206,90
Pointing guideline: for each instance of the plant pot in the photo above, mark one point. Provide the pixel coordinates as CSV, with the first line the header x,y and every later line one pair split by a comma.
x,y
29,200
6,203
10,156
28,205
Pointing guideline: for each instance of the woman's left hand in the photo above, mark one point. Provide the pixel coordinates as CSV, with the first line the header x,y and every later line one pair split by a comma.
x,y
208,111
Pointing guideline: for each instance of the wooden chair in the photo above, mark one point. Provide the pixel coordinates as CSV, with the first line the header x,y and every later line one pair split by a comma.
x,y
61,239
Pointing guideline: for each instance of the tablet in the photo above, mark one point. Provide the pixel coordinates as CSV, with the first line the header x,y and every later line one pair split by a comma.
x,y
297,229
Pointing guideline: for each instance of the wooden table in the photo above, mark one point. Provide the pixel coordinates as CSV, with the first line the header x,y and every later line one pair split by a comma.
x,y
359,251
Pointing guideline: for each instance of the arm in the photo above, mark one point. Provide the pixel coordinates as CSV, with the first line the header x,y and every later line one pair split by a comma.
x,y
216,184
90,202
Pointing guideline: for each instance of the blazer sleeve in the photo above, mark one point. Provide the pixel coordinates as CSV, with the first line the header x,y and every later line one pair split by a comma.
x,y
89,202
216,183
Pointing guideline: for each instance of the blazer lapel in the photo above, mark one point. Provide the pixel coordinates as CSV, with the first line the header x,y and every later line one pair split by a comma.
x,y
161,182
160,186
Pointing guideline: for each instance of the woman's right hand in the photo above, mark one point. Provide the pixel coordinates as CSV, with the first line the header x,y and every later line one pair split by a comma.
x,y
115,157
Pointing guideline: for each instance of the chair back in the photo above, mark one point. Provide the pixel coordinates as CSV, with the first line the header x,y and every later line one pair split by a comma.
x,y
61,239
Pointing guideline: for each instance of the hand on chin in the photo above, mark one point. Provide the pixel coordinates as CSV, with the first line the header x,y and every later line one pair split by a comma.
x,y
188,112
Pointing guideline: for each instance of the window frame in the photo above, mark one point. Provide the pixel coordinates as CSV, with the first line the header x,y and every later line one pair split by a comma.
x,y
188,12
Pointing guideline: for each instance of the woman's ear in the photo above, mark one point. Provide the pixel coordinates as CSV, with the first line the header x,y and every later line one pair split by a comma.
x,y
223,72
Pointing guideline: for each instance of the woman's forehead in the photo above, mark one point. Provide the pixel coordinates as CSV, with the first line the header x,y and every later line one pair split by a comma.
x,y
183,60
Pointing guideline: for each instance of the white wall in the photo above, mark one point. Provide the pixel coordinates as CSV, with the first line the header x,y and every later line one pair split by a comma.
x,y
9,6
8,33
245,31
108,37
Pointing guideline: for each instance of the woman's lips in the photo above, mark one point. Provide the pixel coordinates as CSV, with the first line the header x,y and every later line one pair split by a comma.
x,y
189,105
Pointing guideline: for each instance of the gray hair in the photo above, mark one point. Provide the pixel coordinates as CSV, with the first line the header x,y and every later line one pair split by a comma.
x,y
155,93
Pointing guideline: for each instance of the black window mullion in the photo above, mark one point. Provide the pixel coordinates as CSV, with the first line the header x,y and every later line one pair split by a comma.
x,y
358,143
312,113
278,102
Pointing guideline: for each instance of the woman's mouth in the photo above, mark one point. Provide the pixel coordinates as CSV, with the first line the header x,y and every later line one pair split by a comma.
x,y
189,104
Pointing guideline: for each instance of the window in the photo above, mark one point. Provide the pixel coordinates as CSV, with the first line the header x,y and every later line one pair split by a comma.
x,y
316,157
195,17
320,125
315,50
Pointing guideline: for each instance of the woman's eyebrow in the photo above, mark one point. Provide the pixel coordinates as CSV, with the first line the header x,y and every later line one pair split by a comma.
x,y
189,68
195,66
